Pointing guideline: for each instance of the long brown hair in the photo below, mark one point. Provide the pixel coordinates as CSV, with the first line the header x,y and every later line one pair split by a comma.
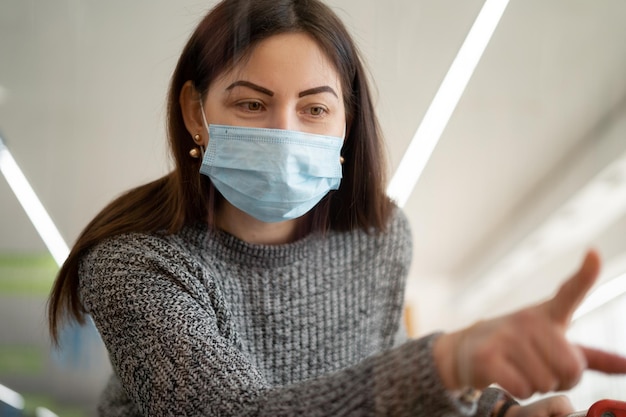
x,y
225,35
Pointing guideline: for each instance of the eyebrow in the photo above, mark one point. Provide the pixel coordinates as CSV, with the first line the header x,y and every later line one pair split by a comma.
x,y
263,90
253,86
317,90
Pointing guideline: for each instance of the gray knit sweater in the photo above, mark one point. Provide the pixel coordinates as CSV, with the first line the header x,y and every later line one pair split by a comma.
x,y
200,323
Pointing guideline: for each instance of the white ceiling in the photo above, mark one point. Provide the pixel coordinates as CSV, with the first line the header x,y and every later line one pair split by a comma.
x,y
83,84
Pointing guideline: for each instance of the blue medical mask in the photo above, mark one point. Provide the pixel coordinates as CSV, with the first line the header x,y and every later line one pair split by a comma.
x,y
271,174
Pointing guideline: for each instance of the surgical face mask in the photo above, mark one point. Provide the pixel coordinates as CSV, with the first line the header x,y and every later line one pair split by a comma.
x,y
271,174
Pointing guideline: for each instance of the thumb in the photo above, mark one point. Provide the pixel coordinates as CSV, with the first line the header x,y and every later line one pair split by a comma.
x,y
571,293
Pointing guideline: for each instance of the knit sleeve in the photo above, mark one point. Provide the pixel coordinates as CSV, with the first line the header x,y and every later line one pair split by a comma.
x,y
173,355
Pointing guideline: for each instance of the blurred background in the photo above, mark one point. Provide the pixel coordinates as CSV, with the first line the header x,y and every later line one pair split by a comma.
x,y
529,172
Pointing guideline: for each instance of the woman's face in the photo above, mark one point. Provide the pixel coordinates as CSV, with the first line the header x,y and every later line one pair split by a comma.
x,y
286,83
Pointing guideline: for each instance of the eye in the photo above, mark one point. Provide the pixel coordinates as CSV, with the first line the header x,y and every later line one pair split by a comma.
x,y
317,111
251,106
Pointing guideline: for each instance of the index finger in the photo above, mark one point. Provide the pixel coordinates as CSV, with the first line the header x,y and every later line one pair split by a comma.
x,y
562,306
607,362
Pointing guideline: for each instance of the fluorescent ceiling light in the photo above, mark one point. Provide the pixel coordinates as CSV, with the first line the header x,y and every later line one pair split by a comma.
x,y
44,412
32,206
12,398
585,215
440,110
604,294
591,210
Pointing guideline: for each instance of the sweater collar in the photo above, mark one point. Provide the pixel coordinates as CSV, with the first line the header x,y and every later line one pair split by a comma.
x,y
227,247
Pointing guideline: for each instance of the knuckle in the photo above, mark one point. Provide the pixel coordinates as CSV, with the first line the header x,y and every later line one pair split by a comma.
x,y
520,390
546,385
577,370
571,374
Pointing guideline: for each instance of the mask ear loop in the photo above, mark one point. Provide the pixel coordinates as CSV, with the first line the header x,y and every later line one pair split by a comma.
x,y
343,137
206,124
199,151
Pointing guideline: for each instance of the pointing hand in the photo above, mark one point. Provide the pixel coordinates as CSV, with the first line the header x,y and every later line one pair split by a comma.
x,y
526,351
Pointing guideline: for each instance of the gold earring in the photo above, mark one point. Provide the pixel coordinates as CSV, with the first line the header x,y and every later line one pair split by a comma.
x,y
341,160
194,153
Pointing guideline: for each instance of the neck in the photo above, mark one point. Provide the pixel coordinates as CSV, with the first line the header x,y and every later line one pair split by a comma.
x,y
249,229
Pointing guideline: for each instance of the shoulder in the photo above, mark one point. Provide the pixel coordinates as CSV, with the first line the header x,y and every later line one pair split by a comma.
x,y
128,248
144,246
136,254
151,266
399,223
398,233
391,245
395,232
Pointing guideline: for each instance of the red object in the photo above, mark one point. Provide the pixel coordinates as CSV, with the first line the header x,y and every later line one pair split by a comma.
x,y
607,408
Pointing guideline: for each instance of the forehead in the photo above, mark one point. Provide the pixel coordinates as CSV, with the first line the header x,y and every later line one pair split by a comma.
x,y
286,61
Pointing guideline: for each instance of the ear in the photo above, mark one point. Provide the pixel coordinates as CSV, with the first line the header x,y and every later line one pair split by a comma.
x,y
192,112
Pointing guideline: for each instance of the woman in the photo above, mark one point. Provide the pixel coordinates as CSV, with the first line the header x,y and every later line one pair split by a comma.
x,y
265,274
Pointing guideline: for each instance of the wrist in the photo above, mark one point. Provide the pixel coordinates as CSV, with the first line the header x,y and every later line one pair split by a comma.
x,y
445,360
